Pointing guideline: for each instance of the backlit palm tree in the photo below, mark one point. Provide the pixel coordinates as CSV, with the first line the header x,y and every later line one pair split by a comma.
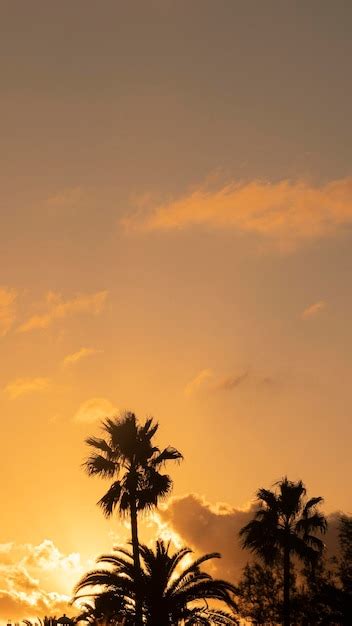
x,y
107,609
173,592
127,456
285,525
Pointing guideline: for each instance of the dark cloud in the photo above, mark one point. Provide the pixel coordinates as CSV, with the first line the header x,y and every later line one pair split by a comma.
x,y
208,528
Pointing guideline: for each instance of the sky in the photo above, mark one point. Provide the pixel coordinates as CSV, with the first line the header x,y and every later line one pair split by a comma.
x,y
176,229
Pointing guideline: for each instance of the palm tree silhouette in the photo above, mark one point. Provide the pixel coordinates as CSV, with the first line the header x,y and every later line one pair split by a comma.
x,y
173,592
108,608
128,456
285,525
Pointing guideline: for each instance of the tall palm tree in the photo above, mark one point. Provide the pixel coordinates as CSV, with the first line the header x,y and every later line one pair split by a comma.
x,y
173,592
286,524
127,455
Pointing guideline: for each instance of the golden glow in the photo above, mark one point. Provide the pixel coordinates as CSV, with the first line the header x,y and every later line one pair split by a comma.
x,y
176,209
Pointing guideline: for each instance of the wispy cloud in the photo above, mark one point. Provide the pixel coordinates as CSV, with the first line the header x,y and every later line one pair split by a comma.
x,y
94,409
7,309
60,309
21,386
198,381
83,353
313,310
288,212
229,382
206,380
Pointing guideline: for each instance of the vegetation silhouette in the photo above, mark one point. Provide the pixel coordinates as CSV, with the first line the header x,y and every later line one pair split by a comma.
x,y
108,607
259,594
174,592
157,587
320,596
284,526
345,563
128,456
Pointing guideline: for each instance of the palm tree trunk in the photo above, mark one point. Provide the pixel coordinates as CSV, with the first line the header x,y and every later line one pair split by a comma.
x,y
286,607
136,561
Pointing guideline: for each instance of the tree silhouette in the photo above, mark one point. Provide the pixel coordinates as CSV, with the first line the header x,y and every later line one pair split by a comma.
x,y
285,525
258,594
108,608
345,542
127,455
173,592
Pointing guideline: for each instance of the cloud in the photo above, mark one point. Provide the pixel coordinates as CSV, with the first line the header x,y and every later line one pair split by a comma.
x,y
71,359
60,309
207,527
48,557
21,386
206,380
20,605
7,309
313,310
230,382
288,212
24,580
198,381
94,409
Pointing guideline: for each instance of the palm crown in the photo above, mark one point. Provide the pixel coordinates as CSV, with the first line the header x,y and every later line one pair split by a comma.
x,y
285,518
172,592
127,455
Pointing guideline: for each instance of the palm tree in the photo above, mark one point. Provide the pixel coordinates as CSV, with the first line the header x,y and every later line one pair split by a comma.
x,y
127,455
108,608
286,524
173,592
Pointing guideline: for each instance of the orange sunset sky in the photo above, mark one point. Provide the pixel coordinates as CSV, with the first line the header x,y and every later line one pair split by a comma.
x,y
176,229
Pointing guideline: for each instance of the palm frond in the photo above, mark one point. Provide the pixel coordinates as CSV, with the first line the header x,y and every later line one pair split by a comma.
x,y
100,444
168,454
311,503
177,558
187,575
209,589
312,523
100,465
102,578
149,429
157,486
121,565
267,498
261,537
111,498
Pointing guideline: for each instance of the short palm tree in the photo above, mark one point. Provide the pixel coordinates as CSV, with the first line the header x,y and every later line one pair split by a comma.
x,y
108,608
173,592
286,524
128,457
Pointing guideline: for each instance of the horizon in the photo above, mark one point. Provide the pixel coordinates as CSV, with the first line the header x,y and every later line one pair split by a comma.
x,y
176,231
